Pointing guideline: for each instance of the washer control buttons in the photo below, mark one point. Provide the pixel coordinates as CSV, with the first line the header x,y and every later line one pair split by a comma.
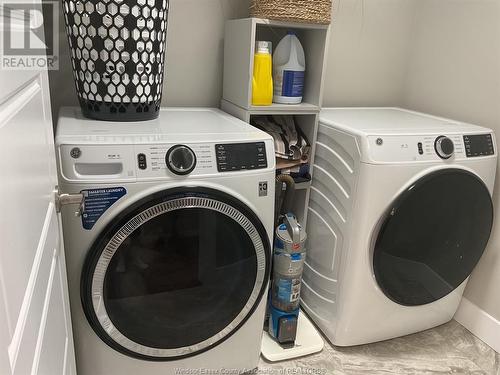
x,y
180,159
141,161
444,147
75,152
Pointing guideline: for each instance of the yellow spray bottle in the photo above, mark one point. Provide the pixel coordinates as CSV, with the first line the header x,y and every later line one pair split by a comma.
x,y
262,82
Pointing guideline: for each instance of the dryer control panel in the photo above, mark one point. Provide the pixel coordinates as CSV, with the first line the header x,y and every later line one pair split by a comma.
x,y
436,147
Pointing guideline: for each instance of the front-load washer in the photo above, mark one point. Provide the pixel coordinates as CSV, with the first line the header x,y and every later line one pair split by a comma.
x,y
168,257
399,214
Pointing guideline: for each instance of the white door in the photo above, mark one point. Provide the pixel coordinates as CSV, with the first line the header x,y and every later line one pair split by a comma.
x,y
35,326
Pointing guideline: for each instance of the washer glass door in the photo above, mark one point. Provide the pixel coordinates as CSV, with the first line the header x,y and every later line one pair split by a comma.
x,y
176,274
432,237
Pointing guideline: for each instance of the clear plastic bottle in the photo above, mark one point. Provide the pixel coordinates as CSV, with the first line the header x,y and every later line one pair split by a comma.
x,y
289,70
262,82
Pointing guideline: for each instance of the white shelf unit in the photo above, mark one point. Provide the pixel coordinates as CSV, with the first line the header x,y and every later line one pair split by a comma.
x,y
239,50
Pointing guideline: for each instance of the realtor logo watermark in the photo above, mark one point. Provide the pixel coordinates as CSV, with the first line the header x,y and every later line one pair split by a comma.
x,y
27,42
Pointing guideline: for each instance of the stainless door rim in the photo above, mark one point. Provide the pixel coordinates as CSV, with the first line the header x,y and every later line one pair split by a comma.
x,y
114,243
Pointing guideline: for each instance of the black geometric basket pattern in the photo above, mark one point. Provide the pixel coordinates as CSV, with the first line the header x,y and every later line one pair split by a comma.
x,y
118,54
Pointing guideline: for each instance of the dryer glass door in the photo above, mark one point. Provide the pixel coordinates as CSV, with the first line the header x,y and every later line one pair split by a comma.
x,y
176,274
432,237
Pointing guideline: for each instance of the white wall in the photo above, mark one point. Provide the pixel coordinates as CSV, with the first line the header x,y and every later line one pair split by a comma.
x,y
454,71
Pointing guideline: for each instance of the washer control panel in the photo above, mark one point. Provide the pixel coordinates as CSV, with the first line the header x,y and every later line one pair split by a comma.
x,y
196,159
479,145
240,156
161,160
151,161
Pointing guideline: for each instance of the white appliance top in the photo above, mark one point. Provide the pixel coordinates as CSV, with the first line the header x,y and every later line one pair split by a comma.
x,y
392,121
174,125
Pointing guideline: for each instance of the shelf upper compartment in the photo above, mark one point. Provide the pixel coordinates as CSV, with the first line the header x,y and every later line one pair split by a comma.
x,y
239,49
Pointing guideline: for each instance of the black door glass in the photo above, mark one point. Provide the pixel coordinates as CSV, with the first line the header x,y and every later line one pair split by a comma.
x,y
433,237
180,278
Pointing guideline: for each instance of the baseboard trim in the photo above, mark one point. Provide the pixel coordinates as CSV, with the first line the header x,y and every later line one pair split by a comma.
x,y
480,323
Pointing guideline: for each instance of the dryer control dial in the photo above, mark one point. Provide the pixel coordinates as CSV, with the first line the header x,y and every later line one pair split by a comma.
x,y
444,147
180,159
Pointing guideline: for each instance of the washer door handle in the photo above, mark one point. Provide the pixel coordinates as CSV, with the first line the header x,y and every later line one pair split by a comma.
x,y
64,199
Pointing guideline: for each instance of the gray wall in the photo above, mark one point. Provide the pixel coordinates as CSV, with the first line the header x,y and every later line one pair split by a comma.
x,y
195,47
368,52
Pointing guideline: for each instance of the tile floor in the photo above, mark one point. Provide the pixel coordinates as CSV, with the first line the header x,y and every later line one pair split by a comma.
x,y
448,349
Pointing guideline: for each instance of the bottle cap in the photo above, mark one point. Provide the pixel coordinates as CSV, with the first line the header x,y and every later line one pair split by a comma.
x,y
262,46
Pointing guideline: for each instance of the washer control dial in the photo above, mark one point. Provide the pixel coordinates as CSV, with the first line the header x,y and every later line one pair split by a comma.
x,y
444,147
180,159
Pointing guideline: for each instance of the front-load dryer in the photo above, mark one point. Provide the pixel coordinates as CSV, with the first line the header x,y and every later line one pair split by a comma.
x,y
168,257
399,214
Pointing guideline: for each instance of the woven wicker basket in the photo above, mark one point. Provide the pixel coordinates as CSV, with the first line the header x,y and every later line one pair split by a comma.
x,y
308,11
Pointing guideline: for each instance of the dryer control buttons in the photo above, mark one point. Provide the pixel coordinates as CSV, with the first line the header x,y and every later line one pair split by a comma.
x,y
240,156
180,159
444,147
